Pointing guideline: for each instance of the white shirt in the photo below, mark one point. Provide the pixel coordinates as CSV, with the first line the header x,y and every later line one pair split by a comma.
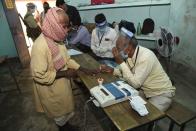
x,y
116,28
103,47
147,73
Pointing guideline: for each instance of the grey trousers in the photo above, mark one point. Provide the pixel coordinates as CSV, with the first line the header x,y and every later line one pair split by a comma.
x,y
163,101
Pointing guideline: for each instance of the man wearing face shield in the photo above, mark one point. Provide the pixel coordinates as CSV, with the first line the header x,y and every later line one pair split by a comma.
x,y
52,68
103,39
32,28
141,69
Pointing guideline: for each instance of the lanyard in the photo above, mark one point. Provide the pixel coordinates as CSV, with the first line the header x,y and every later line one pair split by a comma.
x,y
135,59
100,39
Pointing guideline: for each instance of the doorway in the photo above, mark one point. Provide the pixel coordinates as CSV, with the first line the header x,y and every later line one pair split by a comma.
x,y
22,9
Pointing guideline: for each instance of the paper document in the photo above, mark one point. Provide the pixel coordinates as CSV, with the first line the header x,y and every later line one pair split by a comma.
x,y
138,104
139,99
72,52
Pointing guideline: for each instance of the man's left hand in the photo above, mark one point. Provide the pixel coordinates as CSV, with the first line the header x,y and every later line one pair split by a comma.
x,y
117,56
89,71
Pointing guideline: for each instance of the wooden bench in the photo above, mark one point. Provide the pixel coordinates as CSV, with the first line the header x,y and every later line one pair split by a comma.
x,y
4,60
180,115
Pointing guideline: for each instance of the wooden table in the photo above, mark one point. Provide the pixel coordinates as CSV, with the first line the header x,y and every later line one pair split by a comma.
x,y
121,114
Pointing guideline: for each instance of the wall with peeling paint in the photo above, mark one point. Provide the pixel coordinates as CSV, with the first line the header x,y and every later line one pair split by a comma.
x,y
183,23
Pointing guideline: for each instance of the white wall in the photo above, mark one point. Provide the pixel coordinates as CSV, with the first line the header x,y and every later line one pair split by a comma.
x,y
88,2
78,2
183,23
134,14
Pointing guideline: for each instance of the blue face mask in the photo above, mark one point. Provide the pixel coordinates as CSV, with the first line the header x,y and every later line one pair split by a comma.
x,y
101,29
124,55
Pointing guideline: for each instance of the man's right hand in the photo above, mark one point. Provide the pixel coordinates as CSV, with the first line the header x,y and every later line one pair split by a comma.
x,y
106,69
117,56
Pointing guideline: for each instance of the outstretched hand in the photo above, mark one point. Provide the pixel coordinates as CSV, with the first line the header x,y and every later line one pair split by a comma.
x,y
89,71
106,69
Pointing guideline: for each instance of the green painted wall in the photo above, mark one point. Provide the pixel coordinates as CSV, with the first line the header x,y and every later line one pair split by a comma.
x,y
7,46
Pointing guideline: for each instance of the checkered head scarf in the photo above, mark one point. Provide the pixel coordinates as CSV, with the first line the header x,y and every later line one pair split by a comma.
x,y
54,31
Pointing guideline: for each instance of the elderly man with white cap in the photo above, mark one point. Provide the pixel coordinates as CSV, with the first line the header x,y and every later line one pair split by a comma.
x,y
141,69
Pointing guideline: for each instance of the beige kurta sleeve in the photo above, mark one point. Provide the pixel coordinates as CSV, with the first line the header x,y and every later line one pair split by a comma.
x,y
142,71
70,62
117,72
40,67
137,78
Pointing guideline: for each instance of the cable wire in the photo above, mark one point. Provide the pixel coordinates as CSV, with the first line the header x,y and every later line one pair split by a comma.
x,y
85,112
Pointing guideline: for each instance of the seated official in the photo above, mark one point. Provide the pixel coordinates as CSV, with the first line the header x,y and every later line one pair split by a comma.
x,y
141,69
103,39
80,37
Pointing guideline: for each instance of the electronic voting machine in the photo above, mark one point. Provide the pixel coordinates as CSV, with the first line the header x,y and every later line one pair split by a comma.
x,y
112,93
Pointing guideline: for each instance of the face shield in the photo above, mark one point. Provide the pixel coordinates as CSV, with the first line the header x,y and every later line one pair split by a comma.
x,y
123,42
101,27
